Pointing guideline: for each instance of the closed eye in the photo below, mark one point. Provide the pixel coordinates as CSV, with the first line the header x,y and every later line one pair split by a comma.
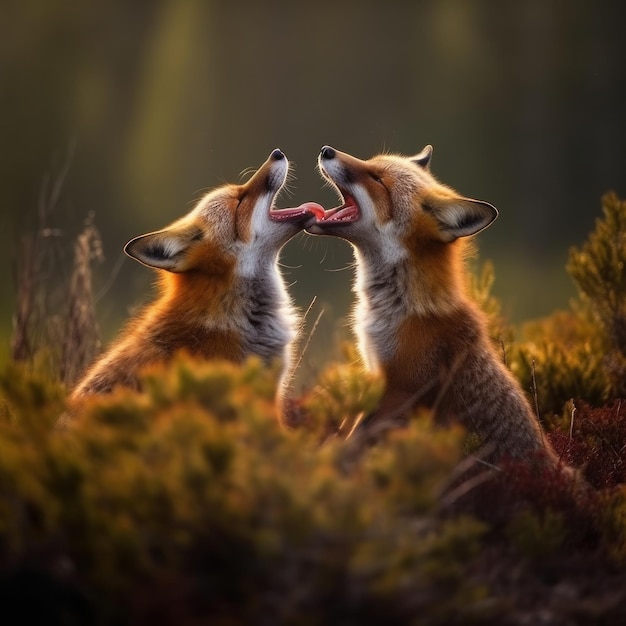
x,y
236,216
379,181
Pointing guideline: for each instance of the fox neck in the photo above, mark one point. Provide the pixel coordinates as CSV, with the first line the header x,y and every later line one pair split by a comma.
x,y
256,260
393,286
253,306
268,320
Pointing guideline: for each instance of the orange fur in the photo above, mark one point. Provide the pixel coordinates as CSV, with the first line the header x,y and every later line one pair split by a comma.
x,y
415,322
220,293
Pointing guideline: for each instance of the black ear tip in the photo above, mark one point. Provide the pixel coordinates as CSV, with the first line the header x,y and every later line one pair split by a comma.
x,y
128,248
147,250
132,247
494,211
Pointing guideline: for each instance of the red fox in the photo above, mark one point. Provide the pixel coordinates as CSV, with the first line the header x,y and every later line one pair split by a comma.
x,y
413,319
221,294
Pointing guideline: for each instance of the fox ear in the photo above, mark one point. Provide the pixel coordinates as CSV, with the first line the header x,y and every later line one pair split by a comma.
x,y
167,249
461,217
423,158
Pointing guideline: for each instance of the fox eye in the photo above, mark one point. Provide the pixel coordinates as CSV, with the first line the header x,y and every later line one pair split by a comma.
x,y
376,178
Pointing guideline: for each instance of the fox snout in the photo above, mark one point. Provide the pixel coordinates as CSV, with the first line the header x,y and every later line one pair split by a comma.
x,y
297,216
270,177
327,153
277,155
341,171
278,169
330,163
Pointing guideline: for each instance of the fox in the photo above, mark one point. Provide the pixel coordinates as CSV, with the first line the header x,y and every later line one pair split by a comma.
x,y
414,321
221,295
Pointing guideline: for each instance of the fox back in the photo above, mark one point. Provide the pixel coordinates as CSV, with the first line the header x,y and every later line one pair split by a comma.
x,y
221,294
413,318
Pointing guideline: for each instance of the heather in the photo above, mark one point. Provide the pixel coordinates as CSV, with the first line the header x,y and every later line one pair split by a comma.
x,y
188,503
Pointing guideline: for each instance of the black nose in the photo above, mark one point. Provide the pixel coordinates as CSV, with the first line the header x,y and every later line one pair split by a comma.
x,y
277,155
328,153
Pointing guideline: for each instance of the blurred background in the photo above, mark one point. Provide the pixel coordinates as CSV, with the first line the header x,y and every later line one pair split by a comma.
x,y
130,110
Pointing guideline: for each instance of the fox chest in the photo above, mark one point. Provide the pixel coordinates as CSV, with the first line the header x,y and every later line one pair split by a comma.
x,y
266,319
382,306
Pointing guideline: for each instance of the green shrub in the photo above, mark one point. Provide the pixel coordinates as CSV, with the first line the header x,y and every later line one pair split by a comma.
x,y
343,391
189,502
561,357
598,269
581,354
480,285
537,536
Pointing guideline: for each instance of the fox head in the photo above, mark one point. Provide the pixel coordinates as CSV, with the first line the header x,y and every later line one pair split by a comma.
x,y
233,226
391,198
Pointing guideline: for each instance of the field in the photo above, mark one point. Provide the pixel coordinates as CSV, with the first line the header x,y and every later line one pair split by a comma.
x,y
188,503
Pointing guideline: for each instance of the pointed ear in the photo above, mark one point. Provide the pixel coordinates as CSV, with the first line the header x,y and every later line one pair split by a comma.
x,y
423,158
461,217
168,249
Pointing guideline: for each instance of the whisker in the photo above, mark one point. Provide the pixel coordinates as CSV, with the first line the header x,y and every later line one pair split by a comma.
x,y
349,266
246,172
289,267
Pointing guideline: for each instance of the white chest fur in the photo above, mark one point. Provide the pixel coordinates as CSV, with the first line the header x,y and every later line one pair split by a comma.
x,y
382,305
266,318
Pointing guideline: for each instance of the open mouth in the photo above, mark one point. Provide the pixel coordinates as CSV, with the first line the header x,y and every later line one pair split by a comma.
x,y
346,213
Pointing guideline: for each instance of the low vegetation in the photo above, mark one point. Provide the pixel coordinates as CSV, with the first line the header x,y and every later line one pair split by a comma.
x,y
188,504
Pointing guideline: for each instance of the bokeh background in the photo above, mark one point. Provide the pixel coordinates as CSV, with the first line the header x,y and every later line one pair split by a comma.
x,y
146,104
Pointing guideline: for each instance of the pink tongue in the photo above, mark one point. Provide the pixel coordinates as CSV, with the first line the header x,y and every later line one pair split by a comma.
x,y
308,208
314,209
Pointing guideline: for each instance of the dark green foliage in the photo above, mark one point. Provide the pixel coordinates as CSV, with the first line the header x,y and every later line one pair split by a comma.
x,y
29,396
190,502
565,352
480,288
581,354
342,392
537,535
598,270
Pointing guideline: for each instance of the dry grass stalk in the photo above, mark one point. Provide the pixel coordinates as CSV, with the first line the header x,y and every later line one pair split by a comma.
x,y
81,339
54,317
36,258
